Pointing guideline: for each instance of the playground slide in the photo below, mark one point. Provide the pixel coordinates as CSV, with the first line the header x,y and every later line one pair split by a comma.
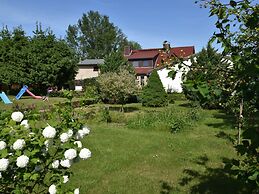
x,y
5,98
36,97
19,95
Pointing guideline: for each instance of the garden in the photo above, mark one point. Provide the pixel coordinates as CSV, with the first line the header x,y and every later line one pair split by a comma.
x,y
115,137
150,150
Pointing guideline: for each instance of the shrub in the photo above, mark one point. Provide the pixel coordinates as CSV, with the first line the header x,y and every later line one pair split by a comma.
x,y
117,87
153,94
35,156
90,82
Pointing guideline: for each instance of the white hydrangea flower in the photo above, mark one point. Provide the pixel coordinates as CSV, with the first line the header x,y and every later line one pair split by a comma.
x,y
85,153
70,133
64,137
49,132
78,143
76,191
22,161
4,164
79,134
70,154
66,163
65,179
18,144
17,116
55,164
52,189
25,124
2,145
86,130
0,175
82,132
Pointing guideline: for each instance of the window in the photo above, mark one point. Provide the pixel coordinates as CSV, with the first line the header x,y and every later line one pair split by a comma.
x,y
96,68
147,63
135,63
142,63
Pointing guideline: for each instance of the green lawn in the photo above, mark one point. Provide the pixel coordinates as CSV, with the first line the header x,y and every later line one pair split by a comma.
x,y
28,102
126,160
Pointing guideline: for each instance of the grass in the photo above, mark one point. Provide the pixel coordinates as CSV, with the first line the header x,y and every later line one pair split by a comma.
x,y
29,102
149,160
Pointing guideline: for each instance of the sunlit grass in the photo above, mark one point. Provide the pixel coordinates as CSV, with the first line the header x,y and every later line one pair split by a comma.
x,y
126,160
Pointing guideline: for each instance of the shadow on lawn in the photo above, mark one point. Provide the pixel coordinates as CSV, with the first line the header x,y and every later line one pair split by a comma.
x,y
126,109
212,180
228,121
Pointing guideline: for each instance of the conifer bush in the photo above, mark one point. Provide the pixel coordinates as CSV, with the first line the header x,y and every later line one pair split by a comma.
x,y
153,94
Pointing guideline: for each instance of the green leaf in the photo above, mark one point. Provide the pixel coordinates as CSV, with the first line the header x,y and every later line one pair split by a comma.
x,y
254,176
3,153
172,74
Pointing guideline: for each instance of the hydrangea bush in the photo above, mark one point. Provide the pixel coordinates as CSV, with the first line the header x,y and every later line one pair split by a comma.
x,y
35,156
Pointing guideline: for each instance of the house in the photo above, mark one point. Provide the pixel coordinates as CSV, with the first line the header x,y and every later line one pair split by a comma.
x,y
145,60
87,68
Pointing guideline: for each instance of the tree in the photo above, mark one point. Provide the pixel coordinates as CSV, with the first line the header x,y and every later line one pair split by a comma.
x,y
114,62
134,45
13,52
237,24
40,60
117,87
153,93
94,36
207,80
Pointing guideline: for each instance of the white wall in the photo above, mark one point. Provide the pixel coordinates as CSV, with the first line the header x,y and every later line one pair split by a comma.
x,y
175,85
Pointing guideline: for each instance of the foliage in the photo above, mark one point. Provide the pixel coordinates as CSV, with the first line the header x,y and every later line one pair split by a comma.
x,y
167,119
39,61
114,62
94,36
90,82
134,45
208,78
153,93
117,87
238,27
36,156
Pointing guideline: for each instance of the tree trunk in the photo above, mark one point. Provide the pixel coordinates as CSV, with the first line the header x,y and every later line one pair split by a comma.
x,y
240,120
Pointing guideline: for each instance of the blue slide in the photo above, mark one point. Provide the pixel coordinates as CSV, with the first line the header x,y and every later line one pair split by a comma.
x,y
5,98
19,95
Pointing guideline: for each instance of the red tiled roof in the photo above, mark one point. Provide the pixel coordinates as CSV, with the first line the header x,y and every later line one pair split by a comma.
x,y
185,51
154,54
143,54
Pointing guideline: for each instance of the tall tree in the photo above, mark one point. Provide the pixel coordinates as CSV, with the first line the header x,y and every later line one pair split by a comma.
x,y
237,24
42,59
94,36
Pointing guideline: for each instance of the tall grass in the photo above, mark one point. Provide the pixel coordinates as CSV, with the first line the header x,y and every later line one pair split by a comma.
x,y
166,119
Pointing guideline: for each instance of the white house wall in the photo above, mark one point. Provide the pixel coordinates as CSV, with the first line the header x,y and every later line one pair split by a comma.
x,y
174,85
86,72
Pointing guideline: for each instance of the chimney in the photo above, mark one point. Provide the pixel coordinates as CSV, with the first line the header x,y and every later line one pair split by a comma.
x,y
166,45
127,51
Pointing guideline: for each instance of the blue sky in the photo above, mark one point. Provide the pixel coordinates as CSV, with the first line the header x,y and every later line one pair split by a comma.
x,y
149,22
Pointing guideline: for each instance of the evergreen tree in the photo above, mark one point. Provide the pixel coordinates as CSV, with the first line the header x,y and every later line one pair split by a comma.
x,y
153,94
